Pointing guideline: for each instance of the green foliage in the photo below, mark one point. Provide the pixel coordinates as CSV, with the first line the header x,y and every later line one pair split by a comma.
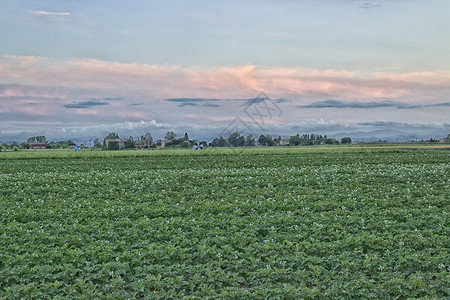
x,y
170,135
236,140
262,140
267,223
295,140
129,144
178,143
97,144
269,140
310,139
148,140
147,136
330,141
220,142
113,145
60,144
346,140
37,139
112,136
250,141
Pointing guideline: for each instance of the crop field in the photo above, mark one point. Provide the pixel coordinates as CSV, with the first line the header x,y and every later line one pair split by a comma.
x,y
275,224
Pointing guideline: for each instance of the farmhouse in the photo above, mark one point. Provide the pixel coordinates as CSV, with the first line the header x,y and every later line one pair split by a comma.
x,y
143,143
120,141
38,146
140,144
164,142
284,142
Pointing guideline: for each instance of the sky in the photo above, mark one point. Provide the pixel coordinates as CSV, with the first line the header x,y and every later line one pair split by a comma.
x,y
365,69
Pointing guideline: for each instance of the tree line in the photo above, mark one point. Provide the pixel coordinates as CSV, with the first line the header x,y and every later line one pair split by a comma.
x,y
112,141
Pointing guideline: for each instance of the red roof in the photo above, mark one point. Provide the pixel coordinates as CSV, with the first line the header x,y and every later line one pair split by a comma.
x,y
37,145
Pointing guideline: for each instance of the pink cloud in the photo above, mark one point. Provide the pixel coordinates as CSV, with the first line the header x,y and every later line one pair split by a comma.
x,y
424,77
29,107
155,81
48,13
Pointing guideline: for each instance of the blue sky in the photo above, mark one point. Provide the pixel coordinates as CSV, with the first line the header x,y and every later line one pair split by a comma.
x,y
361,68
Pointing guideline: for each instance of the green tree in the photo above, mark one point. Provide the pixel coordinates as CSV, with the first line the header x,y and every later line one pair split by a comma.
x,y
269,140
129,143
148,136
262,140
278,140
346,140
234,139
113,145
25,145
250,141
37,139
219,142
170,135
112,136
223,142
147,139
184,144
331,141
186,136
215,142
295,140
97,144
241,141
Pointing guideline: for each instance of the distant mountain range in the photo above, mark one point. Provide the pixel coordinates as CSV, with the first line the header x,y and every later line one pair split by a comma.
x,y
384,135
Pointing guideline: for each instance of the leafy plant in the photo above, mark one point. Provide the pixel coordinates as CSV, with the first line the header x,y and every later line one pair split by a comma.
x,y
282,223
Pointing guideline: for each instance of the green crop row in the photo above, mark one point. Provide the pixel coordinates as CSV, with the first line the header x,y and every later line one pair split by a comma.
x,y
362,223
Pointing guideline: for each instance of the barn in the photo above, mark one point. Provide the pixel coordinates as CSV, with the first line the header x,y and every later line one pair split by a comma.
x,y
38,146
